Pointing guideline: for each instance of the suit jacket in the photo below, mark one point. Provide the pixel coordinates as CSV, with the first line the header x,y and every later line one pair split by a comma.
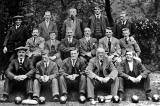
x,y
65,47
138,69
44,31
16,37
93,68
51,70
115,47
131,45
14,68
103,20
80,66
56,45
78,29
38,44
119,26
89,46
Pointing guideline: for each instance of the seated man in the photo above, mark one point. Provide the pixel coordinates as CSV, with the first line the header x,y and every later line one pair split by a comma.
x,y
110,44
72,75
132,73
46,73
53,46
88,45
101,72
35,43
129,42
68,44
19,73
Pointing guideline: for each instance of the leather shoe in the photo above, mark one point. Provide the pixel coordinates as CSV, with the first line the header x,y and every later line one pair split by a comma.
x,y
36,98
82,99
92,101
63,99
56,98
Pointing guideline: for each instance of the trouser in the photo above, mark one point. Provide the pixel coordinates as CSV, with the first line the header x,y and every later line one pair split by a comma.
x,y
37,87
125,83
92,84
27,83
65,83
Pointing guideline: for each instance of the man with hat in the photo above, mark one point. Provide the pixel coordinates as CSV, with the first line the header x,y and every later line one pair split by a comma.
x,y
16,36
19,74
47,72
98,23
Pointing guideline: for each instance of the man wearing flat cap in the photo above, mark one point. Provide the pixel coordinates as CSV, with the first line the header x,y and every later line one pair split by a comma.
x,y
19,74
16,36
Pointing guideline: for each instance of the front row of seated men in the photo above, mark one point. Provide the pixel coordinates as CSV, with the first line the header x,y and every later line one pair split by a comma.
x,y
74,70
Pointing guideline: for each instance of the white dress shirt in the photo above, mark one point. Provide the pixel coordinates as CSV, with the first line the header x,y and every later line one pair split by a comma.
x,y
130,65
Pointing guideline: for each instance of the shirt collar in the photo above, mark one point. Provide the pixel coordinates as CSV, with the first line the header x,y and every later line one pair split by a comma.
x,y
98,16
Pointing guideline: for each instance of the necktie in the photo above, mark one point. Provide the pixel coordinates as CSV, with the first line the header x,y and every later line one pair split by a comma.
x,y
45,65
126,41
20,61
109,45
73,62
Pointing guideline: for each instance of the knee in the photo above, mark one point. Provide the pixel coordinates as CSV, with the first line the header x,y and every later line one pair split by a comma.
x,y
83,77
54,80
36,81
120,79
61,78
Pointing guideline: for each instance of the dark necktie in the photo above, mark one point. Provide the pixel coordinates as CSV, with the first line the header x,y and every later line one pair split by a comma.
x,y
20,61
126,41
109,45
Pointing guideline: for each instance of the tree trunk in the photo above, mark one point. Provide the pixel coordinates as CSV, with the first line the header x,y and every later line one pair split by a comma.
x,y
108,12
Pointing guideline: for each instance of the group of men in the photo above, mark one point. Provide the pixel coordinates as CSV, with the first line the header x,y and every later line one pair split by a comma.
x,y
97,59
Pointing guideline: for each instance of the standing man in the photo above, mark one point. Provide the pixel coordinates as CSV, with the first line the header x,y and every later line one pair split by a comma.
x,y
47,26
19,74
16,36
101,73
54,51
74,23
47,72
132,74
72,75
110,44
98,23
123,23
68,43
88,45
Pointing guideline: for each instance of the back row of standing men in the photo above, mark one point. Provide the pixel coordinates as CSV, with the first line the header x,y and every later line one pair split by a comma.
x,y
89,60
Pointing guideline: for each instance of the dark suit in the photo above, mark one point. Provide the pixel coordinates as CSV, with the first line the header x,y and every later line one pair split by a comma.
x,y
138,69
69,69
14,38
103,22
106,70
78,27
115,47
88,46
119,26
131,45
54,50
44,31
15,69
65,47
52,71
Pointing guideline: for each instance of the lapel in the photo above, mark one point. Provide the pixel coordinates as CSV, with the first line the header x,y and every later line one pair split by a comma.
x,y
43,68
127,67
19,29
97,64
66,41
49,68
16,64
69,65
49,45
112,44
45,27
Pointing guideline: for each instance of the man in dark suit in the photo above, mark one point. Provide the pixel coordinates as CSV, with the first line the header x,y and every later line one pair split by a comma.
x,y
101,73
46,73
19,74
47,26
68,44
98,23
72,74
123,23
54,51
74,23
128,42
133,74
110,44
16,36
88,45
